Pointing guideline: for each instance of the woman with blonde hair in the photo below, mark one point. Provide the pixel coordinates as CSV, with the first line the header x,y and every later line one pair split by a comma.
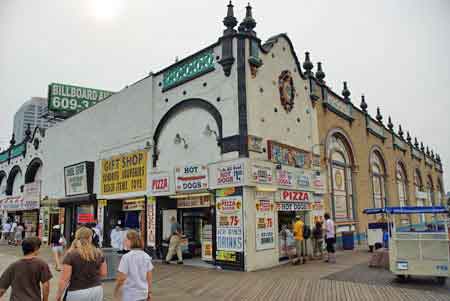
x,y
83,268
134,272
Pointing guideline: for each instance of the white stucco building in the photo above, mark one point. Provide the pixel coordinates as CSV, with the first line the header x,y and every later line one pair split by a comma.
x,y
223,139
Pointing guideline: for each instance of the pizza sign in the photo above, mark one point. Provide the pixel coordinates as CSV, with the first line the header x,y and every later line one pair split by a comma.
x,y
295,196
160,184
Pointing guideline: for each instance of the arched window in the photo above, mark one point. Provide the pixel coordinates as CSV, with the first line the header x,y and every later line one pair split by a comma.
x,y
420,194
439,193
401,185
378,174
430,191
341,179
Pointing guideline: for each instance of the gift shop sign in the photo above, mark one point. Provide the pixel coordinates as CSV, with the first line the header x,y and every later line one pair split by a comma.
x,y
124,173
230,175
265,233
191,178
229,224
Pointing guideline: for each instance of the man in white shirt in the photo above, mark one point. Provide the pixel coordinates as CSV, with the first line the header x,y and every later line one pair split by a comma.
x,y
330,238
5,230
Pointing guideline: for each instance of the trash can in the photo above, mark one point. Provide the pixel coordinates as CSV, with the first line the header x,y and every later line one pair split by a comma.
x,y
112,259
348,241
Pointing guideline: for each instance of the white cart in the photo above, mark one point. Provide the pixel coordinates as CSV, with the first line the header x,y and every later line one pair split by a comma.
x,y
418,249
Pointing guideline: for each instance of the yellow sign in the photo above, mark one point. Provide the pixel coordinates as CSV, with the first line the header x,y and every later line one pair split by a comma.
x,y
102,203
124,173
226,256
133,205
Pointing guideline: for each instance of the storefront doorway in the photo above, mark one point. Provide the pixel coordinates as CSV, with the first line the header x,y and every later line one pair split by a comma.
x,y
197,227
286,220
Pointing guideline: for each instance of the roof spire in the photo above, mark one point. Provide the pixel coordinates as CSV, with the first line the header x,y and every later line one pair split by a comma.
x,y
379,117
422,148
307,64
346,93
230,21
400,131
408,137
363,104
390,124
416,143
320,75
13,140
248,24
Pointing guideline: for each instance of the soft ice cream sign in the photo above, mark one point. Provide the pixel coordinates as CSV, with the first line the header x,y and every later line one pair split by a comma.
x,y
231,174
191,178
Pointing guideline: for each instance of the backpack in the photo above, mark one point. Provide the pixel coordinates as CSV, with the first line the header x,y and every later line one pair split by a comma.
x,y
306,231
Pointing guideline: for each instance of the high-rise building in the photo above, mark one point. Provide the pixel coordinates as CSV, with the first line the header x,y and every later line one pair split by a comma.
x,y
30,113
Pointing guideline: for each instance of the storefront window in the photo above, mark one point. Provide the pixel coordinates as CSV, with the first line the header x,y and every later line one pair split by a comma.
x,y
378,175
439,193
430,192
341,179
419,193
401,185
85,214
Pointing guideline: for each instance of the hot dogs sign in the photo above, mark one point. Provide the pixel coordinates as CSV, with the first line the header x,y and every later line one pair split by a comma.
x,y
191,178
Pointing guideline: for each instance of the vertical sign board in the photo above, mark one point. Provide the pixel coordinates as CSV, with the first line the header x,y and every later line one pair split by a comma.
x,y
124,173
151,221
229,229
265,232
66,100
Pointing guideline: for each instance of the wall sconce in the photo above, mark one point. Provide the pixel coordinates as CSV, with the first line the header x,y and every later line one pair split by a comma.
x,y
208,132
178,139
148,145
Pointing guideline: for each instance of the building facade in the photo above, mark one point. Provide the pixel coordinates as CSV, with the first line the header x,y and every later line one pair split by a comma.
x,y
30,114
234,141
20,186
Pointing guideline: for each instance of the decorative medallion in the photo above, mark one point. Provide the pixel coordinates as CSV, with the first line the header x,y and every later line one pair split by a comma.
x,y
287,90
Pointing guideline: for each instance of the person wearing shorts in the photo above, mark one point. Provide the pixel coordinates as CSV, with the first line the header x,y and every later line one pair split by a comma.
x,y
57,245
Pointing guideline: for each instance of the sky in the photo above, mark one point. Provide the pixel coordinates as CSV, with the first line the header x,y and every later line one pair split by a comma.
x,y
395,52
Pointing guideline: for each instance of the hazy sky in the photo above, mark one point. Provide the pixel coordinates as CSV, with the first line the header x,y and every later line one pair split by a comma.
x,y
395,52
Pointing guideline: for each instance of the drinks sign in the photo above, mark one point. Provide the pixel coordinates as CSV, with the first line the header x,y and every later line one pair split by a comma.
x,y
265,233
191,178
229,224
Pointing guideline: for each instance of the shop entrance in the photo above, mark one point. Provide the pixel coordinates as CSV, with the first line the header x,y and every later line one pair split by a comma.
x,y
29,219
286,220
197,227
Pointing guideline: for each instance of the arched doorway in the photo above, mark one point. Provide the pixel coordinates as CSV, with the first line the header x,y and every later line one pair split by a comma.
x,y
33,172
402,186
378,175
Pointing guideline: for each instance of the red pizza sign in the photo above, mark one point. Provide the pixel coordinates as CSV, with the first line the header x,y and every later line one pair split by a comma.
x,y
295,196
159,183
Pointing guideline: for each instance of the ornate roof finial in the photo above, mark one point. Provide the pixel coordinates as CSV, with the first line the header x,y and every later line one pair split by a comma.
x,y
28,132
363,104
428,151
248,24
416,143
422,148
13,140
379,117
390,124
346,92
230,21
320,75
400,131
438,158
432,154
307,64
408,137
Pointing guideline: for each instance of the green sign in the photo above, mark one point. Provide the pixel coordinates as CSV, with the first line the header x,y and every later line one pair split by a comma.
x,y
72,99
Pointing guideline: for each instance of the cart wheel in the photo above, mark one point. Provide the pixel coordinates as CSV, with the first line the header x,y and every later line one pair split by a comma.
x,y
401,278
442,280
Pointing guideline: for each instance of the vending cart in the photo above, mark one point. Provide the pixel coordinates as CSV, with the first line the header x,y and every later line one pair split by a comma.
x,y
420,248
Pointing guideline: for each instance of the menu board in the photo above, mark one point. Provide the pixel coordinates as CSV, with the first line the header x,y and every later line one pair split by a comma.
x,y
151,221
229,224
265,232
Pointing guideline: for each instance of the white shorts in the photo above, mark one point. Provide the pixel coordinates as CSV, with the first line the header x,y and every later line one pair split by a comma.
x,y
90,294
58,249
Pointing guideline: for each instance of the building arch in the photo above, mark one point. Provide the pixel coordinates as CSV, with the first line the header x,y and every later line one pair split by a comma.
x,y
401,179
32,170
440,194
183,105
15,171
340,173
377,170
3,177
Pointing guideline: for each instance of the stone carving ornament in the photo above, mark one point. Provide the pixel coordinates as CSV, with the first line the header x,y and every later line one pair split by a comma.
x,y
287,90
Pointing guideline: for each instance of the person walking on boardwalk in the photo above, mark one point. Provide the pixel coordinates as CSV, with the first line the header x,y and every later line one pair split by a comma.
x,y
134,275
83,267
318,240
27,275
330,238
299,240
175,241
57,242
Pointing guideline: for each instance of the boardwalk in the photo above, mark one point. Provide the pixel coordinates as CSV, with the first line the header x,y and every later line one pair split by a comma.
x,y
350,279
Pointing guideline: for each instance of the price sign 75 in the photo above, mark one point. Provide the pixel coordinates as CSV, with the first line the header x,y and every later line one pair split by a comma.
x,y
234,220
